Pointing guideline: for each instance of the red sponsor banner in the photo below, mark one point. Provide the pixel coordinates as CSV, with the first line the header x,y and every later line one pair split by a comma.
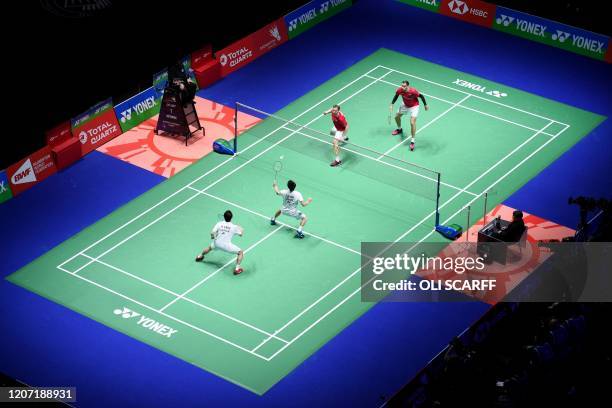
x,y
201,56
251,47
98,131
609,51
31,170
59,134
472,11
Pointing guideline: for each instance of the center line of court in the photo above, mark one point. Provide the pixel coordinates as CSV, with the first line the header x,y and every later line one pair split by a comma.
x,y
182,295
282,224
424,126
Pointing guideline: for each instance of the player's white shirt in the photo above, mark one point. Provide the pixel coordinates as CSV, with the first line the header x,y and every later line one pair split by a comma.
x,y
291,199
224,232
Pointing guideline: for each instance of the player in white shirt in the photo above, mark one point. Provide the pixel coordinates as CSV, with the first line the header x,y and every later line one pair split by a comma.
x,y
291,199
222,234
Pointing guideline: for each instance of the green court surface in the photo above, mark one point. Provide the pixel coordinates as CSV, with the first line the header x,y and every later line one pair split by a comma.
x,y
134,270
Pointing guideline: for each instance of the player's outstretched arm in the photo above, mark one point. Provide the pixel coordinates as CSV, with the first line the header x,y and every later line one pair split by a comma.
x,y
424,101
275,186
240,230
305,203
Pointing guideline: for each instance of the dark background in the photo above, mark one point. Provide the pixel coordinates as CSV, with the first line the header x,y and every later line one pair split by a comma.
x,y
60,61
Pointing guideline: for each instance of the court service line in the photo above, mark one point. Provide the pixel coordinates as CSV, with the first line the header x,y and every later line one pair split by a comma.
x,y
215,182
218,166
182,295
475,110
186,299
453,106
121,295
476,96
406,233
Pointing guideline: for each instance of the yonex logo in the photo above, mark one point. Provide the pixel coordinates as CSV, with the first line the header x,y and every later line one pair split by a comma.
x,y
458,7
223,59
504,20
275,33
293,24
324,7
560,36
497,94
83,137
126,115
146,322
126,313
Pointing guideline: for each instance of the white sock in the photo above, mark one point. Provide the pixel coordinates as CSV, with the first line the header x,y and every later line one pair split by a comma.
x,y
412,140
300,228
237,266
338,158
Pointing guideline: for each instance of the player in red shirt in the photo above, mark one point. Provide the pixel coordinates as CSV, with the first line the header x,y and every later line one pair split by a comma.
x,y
410,97
338,131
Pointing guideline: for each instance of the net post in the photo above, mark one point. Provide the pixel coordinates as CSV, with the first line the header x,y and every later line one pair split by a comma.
x,y
484,217
438,201
235,127
467,225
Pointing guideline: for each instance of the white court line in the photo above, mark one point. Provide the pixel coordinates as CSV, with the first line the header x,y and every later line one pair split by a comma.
x,y
282,224
187,186
476,96
186,299
164,314
475,110
387,163
453,106
401,237
219,165
182,295
212,184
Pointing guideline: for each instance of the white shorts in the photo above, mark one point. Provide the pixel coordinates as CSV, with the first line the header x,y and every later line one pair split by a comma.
x,y
338,134
225,247
293,212
414,111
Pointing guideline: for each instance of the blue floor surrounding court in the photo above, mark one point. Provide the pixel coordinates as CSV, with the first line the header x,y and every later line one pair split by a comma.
x,y
47,344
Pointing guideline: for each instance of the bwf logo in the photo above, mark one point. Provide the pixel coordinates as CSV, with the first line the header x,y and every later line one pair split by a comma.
x,y
275,33
560,36
504,20
458,7
126,313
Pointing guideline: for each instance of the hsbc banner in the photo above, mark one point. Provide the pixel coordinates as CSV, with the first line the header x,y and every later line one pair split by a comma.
x,y
5,189
31,170
315,12
551,33
473,11
137,109
58,134
96,126
251,47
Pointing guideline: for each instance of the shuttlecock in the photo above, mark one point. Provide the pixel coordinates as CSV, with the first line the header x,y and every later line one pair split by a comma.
x,y
282,157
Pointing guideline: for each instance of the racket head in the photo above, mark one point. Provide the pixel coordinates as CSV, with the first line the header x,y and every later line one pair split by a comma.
x,y
278,166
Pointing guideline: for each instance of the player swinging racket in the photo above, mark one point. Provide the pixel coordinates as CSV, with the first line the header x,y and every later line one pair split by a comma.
x,y
222,234
410,105
338,131
291,198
